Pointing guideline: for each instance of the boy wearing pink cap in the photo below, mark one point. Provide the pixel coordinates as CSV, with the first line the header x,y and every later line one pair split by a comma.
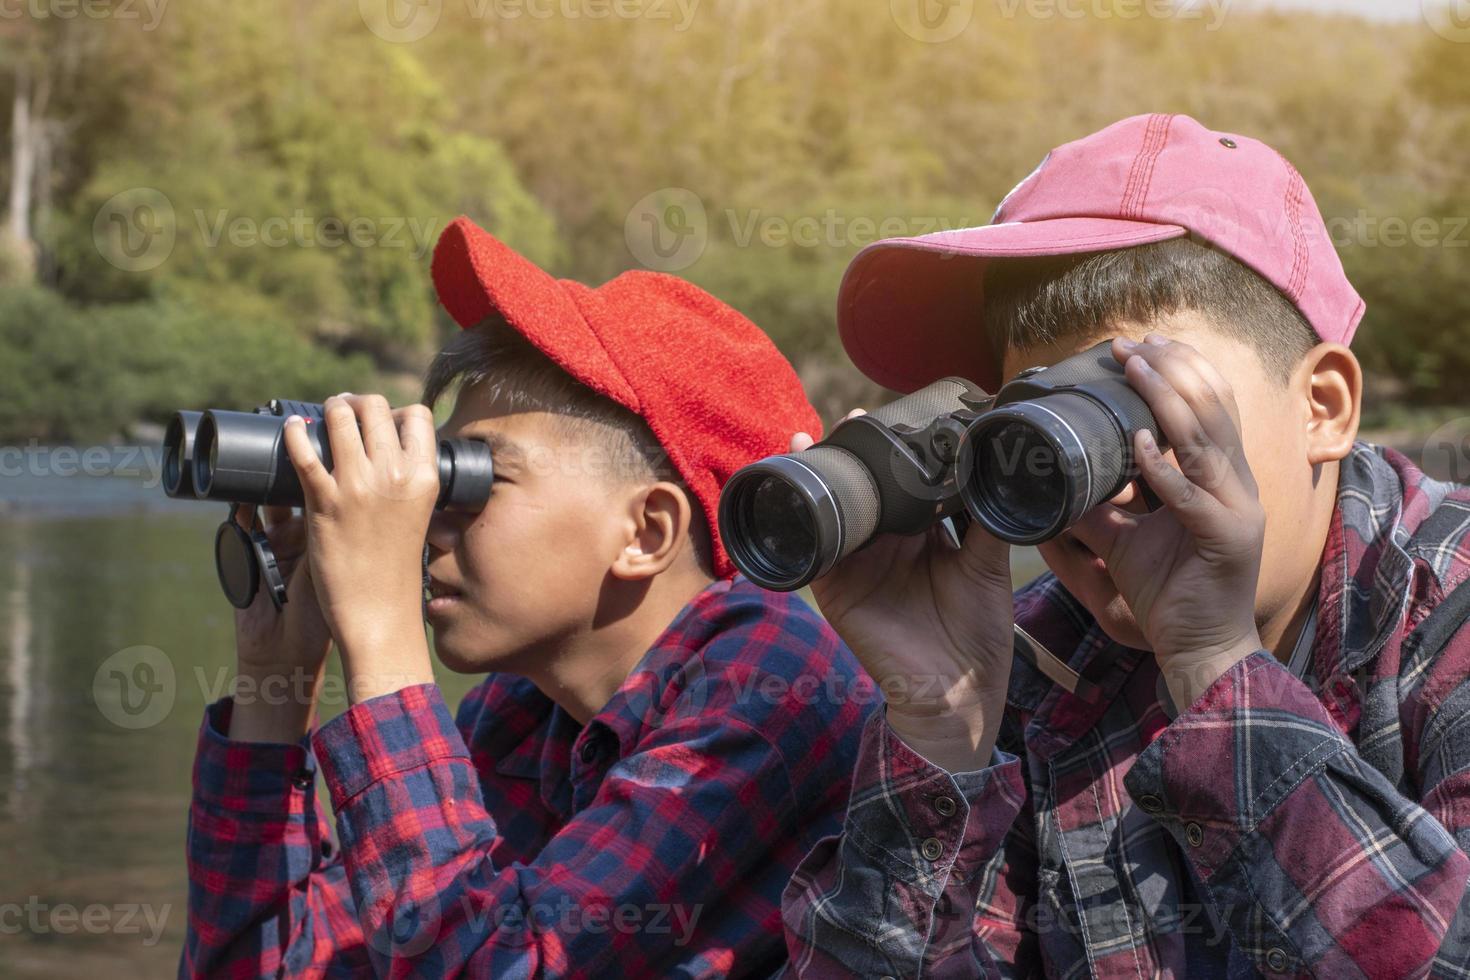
x,y
629,791
1268,769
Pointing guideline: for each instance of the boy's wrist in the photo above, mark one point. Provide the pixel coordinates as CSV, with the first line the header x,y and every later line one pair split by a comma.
x,y
954,739
273,703
386,658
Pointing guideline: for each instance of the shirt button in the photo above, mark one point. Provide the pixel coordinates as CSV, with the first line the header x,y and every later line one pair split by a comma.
x,y
945,805
302,779
1194,834
1276,959
589,751
931,848
1151,804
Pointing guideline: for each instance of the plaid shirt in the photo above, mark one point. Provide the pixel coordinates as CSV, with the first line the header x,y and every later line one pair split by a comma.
x,y
1277,826
654,841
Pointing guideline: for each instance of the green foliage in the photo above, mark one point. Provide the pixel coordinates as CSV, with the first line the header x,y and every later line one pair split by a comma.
x,y
274,128
73,373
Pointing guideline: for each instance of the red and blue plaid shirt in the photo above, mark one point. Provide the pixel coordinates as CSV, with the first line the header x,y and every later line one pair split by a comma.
x,y
1280,825
654,841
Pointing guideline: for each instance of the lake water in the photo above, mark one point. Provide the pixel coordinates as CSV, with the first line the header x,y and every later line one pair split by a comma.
x,y
113,637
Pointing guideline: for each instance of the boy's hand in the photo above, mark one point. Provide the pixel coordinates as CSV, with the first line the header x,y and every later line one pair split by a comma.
x,y
366,522
933,627
279,652
1188,570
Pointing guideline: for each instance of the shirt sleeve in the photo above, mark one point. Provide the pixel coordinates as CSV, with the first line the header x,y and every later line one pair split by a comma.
x,y
1317,862
267,894
619,890
931,876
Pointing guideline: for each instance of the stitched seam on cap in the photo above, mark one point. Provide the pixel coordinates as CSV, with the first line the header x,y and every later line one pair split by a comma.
x,y
1298,243
1128,206
1148,177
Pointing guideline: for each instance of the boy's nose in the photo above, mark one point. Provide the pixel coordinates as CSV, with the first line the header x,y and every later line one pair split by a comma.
x,y
444,531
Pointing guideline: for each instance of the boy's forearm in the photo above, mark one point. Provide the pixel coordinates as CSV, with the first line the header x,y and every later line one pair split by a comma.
x,y
273,703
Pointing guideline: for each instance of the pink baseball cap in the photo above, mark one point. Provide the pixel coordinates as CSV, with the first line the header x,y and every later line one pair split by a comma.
x,y
909,309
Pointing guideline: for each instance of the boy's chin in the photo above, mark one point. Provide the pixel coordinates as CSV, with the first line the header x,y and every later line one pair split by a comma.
x,y
1116,620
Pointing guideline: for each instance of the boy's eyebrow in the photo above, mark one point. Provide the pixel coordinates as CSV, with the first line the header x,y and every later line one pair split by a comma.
x,y
503,450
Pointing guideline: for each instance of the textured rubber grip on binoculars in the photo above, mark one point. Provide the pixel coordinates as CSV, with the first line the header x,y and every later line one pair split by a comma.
x,y
853,490
918,409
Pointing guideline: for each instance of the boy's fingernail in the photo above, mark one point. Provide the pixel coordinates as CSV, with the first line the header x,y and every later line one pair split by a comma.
x,y
1127,344
1156,339
292,418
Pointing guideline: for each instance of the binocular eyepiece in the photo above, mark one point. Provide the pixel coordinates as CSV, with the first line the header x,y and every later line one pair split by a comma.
x,y
1027,463
241,458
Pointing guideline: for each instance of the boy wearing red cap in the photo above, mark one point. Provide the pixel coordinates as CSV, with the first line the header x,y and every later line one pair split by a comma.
x,y
1264,765
658,743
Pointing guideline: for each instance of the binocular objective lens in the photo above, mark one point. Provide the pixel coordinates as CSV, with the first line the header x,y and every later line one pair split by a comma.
x,y
1020,478
781,526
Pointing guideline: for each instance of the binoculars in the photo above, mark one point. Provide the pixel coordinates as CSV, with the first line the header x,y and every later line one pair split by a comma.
x,y
241,458
1027,463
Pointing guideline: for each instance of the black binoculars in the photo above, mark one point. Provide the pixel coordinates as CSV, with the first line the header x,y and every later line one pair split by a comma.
x,y
241,458
1026,463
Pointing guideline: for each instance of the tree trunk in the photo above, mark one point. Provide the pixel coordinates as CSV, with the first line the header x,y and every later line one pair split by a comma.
x,y
22,158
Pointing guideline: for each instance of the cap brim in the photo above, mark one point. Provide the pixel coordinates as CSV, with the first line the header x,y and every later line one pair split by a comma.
x,y
909,309
478,276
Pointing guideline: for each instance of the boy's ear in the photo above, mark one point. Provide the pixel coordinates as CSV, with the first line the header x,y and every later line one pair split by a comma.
x,y
1332,382
659,516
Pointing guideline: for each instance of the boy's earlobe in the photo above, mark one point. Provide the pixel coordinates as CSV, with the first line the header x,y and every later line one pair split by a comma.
x,y
1333,380
659,524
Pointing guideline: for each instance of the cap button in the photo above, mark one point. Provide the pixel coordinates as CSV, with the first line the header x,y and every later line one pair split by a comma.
x,y
1227,142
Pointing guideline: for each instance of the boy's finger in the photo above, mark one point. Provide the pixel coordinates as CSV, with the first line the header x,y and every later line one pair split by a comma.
x,y
802,441
377,430
1202,461
417,438
1200,384
1196,510
348,456
317,485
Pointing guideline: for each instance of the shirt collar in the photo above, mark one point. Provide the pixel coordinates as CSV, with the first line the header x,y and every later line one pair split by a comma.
x,y
550,748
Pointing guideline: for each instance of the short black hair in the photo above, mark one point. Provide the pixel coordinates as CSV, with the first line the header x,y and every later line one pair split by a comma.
x,y
517,374
1032,302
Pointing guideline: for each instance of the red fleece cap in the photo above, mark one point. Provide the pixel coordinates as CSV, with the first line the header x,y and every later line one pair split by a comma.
x,y
713,388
